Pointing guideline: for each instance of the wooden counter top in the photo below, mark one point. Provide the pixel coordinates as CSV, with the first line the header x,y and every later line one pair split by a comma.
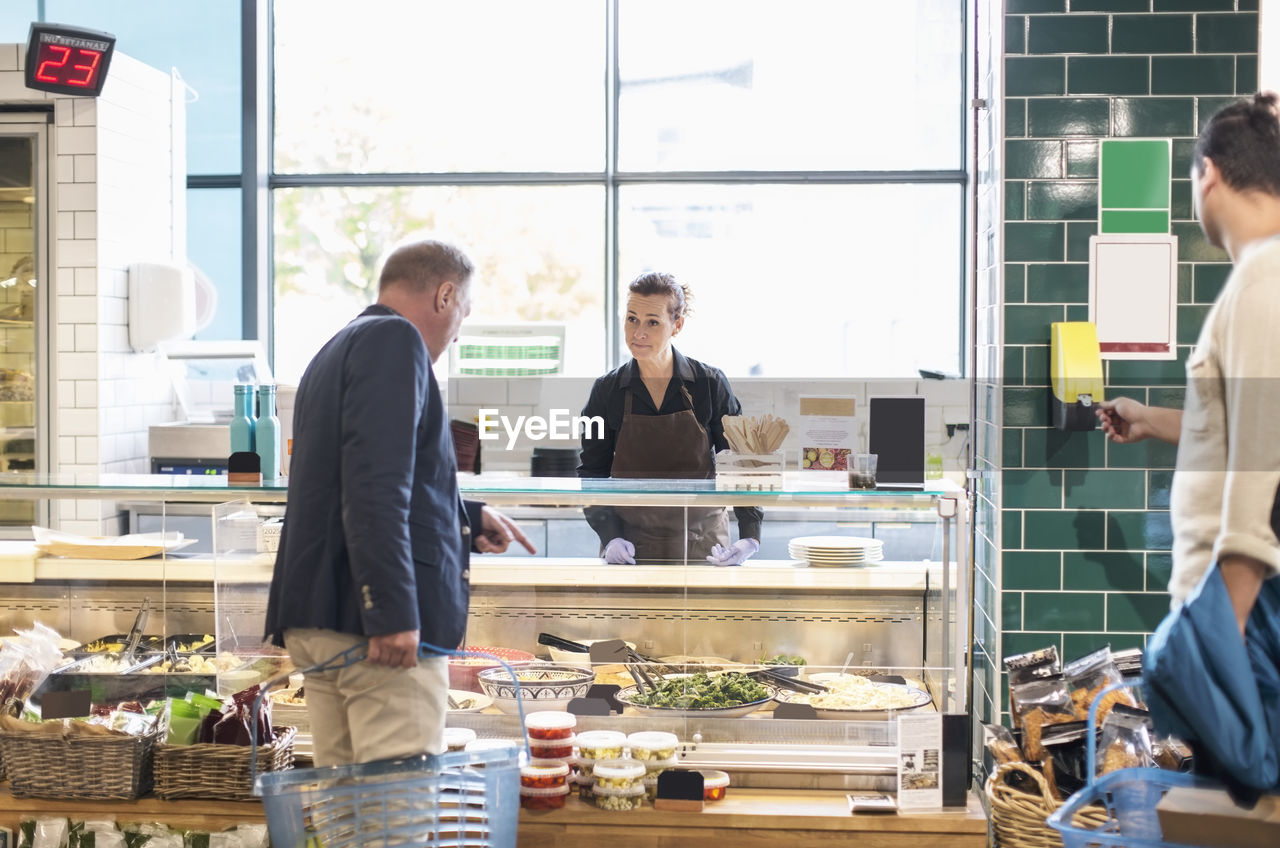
x,y
745,818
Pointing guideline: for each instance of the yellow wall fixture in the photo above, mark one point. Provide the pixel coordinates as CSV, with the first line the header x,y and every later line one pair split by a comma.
x,y
1075,367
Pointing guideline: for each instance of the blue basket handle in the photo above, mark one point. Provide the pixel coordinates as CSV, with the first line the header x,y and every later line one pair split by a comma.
x,y
353,655
1092,753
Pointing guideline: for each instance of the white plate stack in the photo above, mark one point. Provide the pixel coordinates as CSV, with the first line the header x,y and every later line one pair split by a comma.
x,y
836,551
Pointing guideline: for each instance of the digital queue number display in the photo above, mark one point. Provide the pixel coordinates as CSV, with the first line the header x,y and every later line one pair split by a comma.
x,y
68,60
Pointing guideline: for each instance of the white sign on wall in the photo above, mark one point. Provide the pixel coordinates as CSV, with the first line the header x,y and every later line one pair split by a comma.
x,y
1133,294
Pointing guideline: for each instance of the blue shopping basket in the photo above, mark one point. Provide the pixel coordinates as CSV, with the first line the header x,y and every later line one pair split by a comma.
x,y
464,799
1129,797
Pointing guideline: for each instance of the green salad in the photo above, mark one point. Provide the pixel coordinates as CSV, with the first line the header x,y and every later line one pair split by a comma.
x,y
703,692
784,659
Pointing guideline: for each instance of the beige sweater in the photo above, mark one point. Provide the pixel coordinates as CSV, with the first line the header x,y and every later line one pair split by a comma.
x,y
1229,451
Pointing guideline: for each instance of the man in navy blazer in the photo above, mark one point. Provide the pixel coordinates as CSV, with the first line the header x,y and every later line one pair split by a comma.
x,y
376,537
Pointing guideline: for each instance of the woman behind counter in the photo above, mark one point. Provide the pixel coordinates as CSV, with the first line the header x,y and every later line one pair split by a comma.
x,y
662,415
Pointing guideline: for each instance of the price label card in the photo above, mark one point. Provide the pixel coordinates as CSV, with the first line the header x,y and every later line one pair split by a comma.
x,y
920,762
828,432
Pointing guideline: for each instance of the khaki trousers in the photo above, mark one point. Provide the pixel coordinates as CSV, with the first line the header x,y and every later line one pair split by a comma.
x,y
367,712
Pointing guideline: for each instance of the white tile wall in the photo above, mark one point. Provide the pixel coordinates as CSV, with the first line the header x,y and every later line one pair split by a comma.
x,y
116,178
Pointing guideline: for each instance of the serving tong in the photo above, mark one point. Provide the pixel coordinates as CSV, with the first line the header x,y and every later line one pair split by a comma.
x,y
634,662
782,681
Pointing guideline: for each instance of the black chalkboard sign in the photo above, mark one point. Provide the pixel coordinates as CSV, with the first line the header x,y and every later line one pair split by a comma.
x,y
679,789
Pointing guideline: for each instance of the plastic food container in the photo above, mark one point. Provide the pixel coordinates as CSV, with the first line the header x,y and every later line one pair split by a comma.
x,y
544,776
715,784
618,774
619,799
550,724
601,744
651,785
586,788
456,738
551,798
652,745
658,766
489,745
558,749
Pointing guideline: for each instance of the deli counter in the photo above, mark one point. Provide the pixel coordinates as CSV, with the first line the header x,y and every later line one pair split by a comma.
x,y
904,619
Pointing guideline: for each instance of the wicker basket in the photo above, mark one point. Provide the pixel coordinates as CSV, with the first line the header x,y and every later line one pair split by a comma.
x,y
1018,817
218,771
50,765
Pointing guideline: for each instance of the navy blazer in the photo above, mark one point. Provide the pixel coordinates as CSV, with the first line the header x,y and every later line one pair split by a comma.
x,y
376,538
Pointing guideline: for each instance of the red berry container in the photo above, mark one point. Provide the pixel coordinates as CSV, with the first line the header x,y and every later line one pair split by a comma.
x,y
550,725
543,799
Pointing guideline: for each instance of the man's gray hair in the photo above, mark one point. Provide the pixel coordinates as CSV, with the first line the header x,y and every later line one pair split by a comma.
x,y
423,265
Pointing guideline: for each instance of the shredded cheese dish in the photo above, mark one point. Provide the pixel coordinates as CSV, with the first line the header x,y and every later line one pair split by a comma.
x,y
854,692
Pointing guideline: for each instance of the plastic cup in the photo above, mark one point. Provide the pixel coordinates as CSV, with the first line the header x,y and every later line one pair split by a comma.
x,y
862,470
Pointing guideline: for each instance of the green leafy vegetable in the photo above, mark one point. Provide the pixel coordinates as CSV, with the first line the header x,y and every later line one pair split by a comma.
x,y
703,692
784,659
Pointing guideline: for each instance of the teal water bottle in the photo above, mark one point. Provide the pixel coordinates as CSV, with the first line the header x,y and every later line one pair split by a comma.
x,y
267,433
242,420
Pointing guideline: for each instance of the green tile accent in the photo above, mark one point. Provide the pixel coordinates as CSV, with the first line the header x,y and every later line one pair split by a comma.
x,y
1027,242
1110,5
1247,5
1113,75
1062,530
1029,324
1182,150
1225,34
1098,489
1209,280
1048,448
1015,282
1193,74
1193,246
1015,34
1041,570
1135,174
1206,107
1076,645
1015,117
1146,454
1193,5
1068,34
1013,366
1011,447
1159,487
1099,571
1078,312
1015,200
1068,116
1173,396
1180,200
1058,283
1011,610
1190,321
1149,117
1026,407
1123,221
1246,74
1062,200
1010,529
1036,365
1184,283
1151,34
1033,488
1032,6
1030,160
1137,372
1159,569
1064,610
1136,611
1139,531
1031,76
1078,235
1082,158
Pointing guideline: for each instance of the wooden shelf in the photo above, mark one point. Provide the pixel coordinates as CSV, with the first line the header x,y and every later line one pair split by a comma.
x,y
746,818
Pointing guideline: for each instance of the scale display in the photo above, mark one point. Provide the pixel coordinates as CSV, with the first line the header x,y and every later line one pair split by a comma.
x,y
68,60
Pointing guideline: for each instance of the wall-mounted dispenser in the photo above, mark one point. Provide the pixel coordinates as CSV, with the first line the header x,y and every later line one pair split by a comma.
x,y
1076,374
162,304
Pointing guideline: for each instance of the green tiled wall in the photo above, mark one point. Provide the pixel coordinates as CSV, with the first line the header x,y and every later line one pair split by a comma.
x,y
1077,550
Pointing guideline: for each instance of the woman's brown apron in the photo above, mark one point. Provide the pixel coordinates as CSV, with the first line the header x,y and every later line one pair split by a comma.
x,y
668,446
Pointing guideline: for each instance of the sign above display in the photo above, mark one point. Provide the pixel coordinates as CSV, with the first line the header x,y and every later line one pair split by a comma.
x,y
68,60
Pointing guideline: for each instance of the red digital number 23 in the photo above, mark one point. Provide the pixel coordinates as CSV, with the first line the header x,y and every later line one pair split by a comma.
x,y
45,76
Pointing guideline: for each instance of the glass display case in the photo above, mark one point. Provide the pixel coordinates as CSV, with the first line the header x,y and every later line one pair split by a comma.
x,y
884,634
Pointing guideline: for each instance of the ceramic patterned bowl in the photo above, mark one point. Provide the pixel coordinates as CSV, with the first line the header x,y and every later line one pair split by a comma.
x,y
543,686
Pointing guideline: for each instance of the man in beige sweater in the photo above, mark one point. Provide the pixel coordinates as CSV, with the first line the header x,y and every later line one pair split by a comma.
x,y
1228,469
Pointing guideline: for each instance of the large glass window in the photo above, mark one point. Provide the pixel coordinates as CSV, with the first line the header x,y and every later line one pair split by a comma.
x,y
800,164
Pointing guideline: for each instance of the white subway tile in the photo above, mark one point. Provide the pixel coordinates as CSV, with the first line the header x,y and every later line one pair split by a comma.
x,y
77,366
88,510
87,450
62,111
86,394
14,87
65,223
76,197
77,251
64,168
76,310
9,57
84,111
483,391
74,140
64,281
66,447
83,528
65,340
86,337
86,279
66,511
86,226
66,393
78,422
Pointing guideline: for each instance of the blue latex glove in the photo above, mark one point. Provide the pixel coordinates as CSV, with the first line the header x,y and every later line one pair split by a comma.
x,y
620,552
736,554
